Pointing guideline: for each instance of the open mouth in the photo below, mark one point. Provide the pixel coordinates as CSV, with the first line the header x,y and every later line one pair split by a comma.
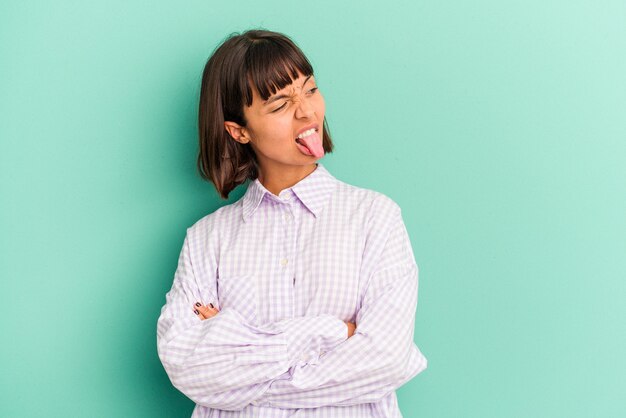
x,y
310,143
305,134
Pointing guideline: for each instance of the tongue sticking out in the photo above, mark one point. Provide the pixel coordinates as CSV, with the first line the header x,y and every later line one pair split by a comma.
x,y
311,145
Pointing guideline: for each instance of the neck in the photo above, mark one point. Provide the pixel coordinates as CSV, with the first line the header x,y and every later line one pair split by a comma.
x,y
280,178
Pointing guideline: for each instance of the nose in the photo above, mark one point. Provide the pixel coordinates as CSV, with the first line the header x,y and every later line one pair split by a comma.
x,y
304,108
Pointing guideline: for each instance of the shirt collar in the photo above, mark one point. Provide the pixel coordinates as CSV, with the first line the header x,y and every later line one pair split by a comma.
x,y
313,191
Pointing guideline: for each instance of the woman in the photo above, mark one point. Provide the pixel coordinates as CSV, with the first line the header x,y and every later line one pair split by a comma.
x,y
261,317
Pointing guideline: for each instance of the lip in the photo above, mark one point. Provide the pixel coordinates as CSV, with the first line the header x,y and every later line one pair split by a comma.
x,y
306,128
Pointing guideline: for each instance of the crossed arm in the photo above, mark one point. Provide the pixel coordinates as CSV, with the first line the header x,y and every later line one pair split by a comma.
x,y
219,360
209,311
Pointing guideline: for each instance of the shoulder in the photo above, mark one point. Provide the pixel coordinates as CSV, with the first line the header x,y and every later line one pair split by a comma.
x,y
374,203
209,225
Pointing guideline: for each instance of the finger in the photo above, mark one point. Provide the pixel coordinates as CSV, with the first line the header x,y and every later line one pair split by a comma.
x,y
206,311
212,308
198,313
210,305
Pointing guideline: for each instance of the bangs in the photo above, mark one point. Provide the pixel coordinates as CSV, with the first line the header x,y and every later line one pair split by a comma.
x,y
272,65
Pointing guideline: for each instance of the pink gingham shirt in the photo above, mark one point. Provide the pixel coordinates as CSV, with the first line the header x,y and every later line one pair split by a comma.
x,y
286,271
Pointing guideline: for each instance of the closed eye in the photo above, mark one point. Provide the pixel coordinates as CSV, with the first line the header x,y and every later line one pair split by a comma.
x,y
312,91
278,108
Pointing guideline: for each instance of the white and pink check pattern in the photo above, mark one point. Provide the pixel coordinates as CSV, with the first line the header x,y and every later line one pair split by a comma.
x,y
286,272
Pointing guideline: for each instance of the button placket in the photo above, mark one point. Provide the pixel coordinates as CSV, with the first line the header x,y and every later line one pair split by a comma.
x,y
287,262
287,215
287,236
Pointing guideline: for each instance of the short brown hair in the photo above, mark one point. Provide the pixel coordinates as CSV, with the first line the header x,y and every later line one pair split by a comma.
x,y
268,60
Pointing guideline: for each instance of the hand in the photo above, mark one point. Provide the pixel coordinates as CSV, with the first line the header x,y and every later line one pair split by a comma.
x,y
205,312
351,328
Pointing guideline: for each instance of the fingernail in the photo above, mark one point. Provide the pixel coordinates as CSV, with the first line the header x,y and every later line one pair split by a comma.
x,y
211,305
198,304
196,312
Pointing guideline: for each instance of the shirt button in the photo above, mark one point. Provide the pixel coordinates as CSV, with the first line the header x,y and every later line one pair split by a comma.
x,y
286,217
283,262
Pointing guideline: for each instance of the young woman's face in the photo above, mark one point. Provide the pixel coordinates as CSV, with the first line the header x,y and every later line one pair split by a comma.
x,y
273,125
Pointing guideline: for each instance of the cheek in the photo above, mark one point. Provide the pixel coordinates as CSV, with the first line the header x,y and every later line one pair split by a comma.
x,y
270,128
280,129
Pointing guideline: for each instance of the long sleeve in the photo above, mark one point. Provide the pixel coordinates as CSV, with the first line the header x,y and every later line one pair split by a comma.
x,y
225,362
381,355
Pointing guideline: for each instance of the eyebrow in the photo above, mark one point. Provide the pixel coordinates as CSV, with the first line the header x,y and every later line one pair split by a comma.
x,y
282,96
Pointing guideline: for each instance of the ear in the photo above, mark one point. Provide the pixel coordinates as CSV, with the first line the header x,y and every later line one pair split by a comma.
x,y
237,132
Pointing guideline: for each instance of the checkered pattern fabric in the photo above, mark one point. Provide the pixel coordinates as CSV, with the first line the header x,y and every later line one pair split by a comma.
x,y
286,271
